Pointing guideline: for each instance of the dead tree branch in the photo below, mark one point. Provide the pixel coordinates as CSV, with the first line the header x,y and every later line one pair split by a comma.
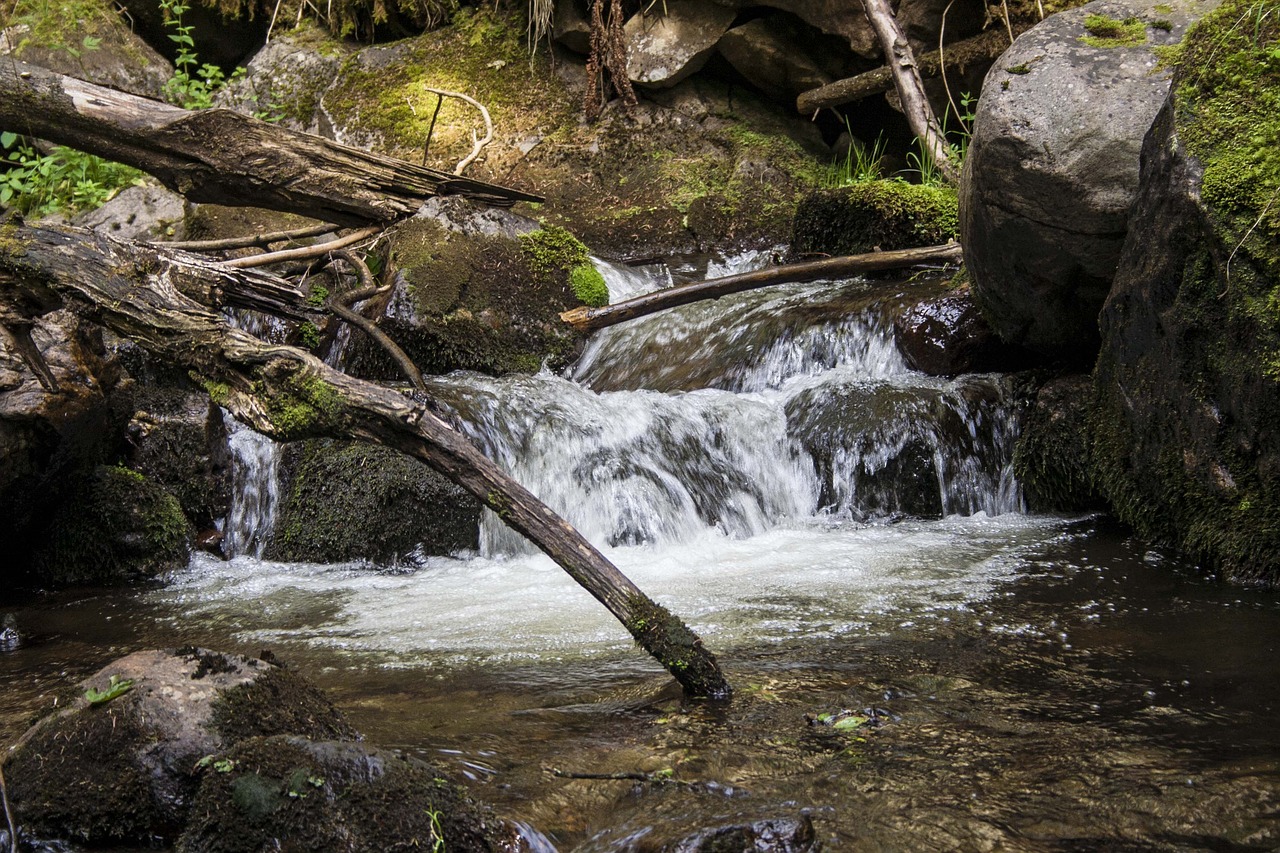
x,y
477,144
587,319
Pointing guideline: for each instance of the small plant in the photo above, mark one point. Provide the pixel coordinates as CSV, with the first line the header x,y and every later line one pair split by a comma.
x,y
63,181
589,285
115,688
193,84
860,164
437,831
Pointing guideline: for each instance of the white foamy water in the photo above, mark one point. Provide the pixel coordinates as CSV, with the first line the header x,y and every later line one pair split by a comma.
x,y
255,490
792,583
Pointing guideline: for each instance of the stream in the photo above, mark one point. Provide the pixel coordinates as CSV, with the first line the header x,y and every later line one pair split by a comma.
x,y
919,663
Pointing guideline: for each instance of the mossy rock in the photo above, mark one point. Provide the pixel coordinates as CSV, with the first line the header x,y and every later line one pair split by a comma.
x,y
120,526
1052,456
1187,386
349,501
119,762
476,301
871,215
294,794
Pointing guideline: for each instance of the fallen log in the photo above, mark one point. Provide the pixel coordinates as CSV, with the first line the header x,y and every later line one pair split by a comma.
x,y
984,47
901,62
168,303
222,157
588,319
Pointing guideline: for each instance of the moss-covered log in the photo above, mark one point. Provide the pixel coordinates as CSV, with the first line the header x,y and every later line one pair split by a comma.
x,y
222,157
167,303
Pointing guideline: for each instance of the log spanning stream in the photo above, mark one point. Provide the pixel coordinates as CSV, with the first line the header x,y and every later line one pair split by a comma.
x,y
919,663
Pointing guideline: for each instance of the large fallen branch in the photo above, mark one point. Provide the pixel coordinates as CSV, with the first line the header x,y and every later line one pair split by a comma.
x,y
588,319
901,62
222,157
168,303
984,47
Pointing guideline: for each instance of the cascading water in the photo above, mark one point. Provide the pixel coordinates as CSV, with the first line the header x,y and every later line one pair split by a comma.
x,y
255,490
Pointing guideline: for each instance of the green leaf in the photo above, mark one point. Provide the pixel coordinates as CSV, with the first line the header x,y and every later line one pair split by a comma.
x,y
91,42
7,139
850,723
117,687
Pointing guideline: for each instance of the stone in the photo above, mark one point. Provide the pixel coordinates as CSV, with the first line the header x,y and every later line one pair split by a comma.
x,y
947,336
834,17
1052,171
1052,456
673,42
343,501
121,761
770,54
121,59
773,835
571,28
146,212
286,79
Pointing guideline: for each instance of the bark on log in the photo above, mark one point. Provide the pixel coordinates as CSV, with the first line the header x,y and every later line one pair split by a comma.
x,y
588,319
167,302
901,62
222,157
984,47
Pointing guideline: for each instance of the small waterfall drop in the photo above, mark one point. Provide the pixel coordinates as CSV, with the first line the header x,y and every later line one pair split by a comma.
x,y
255,492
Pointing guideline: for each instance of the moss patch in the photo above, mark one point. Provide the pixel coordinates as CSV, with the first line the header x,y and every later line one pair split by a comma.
x,y
668,639
887,214
278,702
1107,32
119,526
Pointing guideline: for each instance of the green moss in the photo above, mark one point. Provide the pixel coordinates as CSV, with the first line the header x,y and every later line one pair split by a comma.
x,y
302,406
1107,32
278,702
890,214
553,249
670,641
589,285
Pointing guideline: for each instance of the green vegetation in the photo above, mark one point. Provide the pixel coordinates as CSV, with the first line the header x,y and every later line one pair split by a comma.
x,y
859,164
62,181
589,285
553,249
889,214
115,688
1106,32
193,84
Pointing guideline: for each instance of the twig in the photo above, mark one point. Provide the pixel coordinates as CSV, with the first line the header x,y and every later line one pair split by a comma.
x,y
8,813
30,354
341,306
477,145
249,241
1004,4
432,129
306,251
1256,223
942,64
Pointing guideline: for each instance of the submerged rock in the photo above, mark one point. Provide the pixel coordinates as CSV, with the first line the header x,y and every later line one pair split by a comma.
x,y
775,835
121,761
1052,169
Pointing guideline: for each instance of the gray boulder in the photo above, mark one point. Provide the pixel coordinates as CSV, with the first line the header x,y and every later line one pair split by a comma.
x,y
772,56
835,17
1052,169
664,49
145,212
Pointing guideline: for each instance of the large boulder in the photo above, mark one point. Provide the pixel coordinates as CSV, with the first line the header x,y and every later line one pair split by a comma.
x,y
1052,168
674,41
1185,440
771,53
828,16
120,762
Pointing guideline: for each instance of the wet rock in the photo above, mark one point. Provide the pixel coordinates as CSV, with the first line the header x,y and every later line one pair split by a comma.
x,y
1053,456
348,501
873,216
1185,444
51,441
178,439
770,53
147,212
119,764
775,835
294,794
947,336
55,39
10,638
674,41
1052,171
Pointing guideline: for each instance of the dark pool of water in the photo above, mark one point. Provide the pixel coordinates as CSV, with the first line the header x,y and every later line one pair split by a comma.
x,y
1105,698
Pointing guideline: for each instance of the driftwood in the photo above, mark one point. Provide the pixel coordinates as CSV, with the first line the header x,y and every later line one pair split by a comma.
x,y
585,319
901,62
984,47
222,157
168,303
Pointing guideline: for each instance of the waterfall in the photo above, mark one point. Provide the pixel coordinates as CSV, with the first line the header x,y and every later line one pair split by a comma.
x,y
734,416
255,490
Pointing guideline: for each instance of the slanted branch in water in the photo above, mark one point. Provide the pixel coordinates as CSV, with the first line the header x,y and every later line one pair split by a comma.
x,y
222,157
588,319
168,303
